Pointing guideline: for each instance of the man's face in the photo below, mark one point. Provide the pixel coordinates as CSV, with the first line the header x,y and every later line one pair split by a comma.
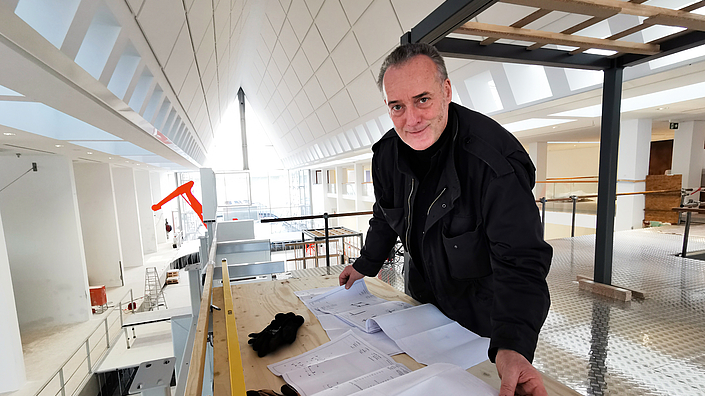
x,y
417,101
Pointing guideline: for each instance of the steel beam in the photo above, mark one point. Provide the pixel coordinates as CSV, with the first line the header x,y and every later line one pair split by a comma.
x,y
496,52
444,20
607,184
669,46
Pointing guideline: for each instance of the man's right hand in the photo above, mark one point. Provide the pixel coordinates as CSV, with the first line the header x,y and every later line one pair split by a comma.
x,y
349,276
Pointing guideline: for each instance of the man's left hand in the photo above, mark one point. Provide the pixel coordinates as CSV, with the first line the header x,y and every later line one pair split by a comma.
x,y
518,375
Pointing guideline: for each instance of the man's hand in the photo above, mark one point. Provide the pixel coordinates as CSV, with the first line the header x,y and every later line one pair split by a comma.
x,y
349,276
518,375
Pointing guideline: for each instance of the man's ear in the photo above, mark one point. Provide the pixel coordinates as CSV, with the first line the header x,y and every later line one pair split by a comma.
x,y
447,90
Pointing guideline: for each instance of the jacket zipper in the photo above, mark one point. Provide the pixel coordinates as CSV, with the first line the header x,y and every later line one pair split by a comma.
x,y
434,201
408,220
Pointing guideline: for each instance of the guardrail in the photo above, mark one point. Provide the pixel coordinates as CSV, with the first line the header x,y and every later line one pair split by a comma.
x,y
67,380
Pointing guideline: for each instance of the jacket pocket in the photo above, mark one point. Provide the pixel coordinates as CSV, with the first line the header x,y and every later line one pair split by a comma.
x,y
468,255
395,219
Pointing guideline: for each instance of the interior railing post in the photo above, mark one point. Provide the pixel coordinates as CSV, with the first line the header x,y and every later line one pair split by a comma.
x,y
572,224
107,332
61,382
132,301
88,356
543,216
325,222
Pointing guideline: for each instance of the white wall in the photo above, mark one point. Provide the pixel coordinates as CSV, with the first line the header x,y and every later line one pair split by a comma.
x,y
128,217
159,216
144,211
44,243
101,240
578,161
12,371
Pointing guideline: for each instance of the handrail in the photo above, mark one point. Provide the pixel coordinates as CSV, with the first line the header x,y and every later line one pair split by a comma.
x,y
595,195
313,217
574,180
84,344
194,381
573,177
237,375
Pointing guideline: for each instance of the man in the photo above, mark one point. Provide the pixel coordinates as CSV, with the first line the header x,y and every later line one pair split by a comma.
x,y
456,188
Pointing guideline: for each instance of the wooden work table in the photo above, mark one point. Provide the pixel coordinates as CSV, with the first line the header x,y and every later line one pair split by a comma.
x,y
255,305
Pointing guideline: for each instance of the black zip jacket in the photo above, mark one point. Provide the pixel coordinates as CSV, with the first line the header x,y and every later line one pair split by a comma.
x,y
485,260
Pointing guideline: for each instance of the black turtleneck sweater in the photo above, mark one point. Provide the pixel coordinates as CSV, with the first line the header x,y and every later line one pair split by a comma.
x,y
427,166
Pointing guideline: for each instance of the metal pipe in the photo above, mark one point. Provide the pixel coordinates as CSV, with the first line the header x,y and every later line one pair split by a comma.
x,y
685,234
325,221
61,381
243,131
543,216
572,226
107,332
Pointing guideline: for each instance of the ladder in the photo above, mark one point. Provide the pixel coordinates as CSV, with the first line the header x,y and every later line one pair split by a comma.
x,y
153,295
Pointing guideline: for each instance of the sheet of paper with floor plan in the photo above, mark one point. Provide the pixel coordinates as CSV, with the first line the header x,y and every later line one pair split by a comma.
x,y
341,300
436,379
330,364
428,336
366,381
359,317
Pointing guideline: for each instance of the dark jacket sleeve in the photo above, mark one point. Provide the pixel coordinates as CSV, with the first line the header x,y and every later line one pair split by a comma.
x,y
380,236
520,260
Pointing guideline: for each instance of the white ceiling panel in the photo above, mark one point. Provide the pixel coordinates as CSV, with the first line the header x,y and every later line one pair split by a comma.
x,y
355,8
180,60
314,125
291,142
374,130
344,142
411,14
208,72
304,103
161,21
280,57
268,34
329,78
314,6
327,117
557,21
263,51
348,58
504,14
258,66
285,93
314,48
300,18
302,67
297,137
222,17
223,45
199,17
306,132
285,4
292,82
273,71
288,40
336,144
377,39
352,138
277,99
365,95
191,83
196,103
332,23
315,93
343,107
206,48
362,135
295,112
276,15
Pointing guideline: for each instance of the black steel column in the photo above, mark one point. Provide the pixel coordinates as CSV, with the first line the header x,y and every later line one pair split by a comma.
x,y
325,220
607,184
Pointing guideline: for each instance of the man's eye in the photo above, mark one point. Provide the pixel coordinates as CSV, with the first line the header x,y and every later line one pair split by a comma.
x,y
424,100
396,108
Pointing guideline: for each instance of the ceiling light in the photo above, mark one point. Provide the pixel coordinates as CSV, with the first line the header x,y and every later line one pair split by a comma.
x,y
89,152
661,108
58,145
533,123
8,134
110,157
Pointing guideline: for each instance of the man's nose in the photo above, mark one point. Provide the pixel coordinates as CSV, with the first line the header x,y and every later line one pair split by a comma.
x,y
413,116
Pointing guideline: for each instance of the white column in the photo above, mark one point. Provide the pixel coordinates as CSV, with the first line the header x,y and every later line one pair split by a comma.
x,y
144,210
158,195
99,225
538,151
633,164
128,217
12,371
688,152
44,243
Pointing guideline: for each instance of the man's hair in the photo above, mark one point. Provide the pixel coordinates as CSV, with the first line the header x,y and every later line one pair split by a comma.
x,y
405,53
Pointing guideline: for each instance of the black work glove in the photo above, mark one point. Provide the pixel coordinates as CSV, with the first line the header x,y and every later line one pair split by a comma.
x,y
282,330
287,390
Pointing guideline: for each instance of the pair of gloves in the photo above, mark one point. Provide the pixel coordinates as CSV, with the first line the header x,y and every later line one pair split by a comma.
x,y
282,330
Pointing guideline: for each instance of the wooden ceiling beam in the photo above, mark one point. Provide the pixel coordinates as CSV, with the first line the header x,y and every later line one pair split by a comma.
x,y
521,23
538,36
602,8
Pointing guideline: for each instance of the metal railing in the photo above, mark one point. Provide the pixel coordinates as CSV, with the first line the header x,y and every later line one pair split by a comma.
x,y
574,199
67,380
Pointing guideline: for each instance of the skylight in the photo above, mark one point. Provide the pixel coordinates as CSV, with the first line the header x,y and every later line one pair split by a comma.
x,y
533,123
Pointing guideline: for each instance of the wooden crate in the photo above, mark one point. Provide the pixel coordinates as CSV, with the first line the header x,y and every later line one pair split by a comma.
x,y
172,273
657,207
172,280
